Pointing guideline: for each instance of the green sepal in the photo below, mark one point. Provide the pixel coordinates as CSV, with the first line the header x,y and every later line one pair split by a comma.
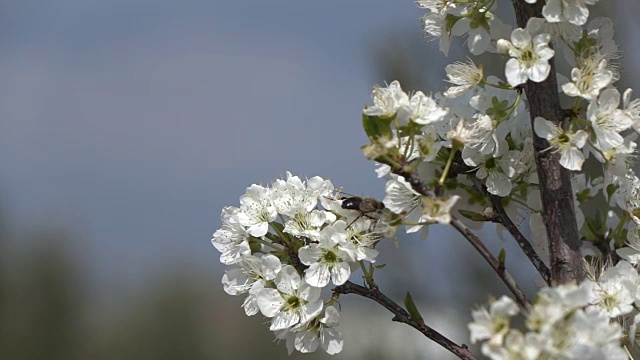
x,y
254,246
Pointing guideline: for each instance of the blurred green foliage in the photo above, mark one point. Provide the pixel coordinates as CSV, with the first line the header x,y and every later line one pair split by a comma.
x,y
46,312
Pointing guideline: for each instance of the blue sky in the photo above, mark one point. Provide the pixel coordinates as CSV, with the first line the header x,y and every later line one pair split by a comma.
x,y
132,123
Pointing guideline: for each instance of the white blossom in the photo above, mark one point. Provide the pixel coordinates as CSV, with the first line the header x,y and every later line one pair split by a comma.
x,y
292,302
494,323
387,101
437,210
529,56
232,239
401,199
573,11
330,258
592,76
615,291
256,210
607,120
420,109
462,76
321,332
568,144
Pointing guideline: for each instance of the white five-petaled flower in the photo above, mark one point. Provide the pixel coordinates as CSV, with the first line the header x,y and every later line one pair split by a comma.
x,y
257,210
292,302
573,11
588,79
437,210
321,331
232,239
496,170
421,109
529,56
568,144
476,25
387,101
460,134
241,277
615,291
307,224
249,275
330,258
493,324
401,199
294,195
363,237
435,25
462,76
487,138
607,120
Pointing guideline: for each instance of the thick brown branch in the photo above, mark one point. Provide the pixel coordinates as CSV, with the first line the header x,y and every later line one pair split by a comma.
x,y
417,185
401,315
555,183
501,216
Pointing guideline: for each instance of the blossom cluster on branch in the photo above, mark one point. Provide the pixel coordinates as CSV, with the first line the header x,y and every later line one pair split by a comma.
x,y
468,151
284,244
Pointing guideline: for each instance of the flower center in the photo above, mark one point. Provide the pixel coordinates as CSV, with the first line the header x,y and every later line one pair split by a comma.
x,y
330,257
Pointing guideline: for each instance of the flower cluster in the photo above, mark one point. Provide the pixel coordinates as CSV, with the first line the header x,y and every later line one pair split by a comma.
x,y
560,325
284,244
567,322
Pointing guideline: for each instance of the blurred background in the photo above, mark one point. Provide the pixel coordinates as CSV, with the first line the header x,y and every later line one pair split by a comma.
x,y
126,126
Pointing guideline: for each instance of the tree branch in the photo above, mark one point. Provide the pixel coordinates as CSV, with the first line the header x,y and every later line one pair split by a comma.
x,y
555,182
501,216
417,185
497,266
402,316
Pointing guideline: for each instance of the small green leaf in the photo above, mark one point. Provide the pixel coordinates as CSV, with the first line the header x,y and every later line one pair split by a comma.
x,y
611,189
502,256
583,196
379,266
376,127
412,309
472,215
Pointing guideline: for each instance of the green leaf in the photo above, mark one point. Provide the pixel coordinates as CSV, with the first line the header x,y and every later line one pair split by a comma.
x,y
502,256
379,266
414,314
583,196
377,127
472,215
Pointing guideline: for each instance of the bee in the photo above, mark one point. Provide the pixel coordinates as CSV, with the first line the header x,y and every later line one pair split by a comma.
x,y
363,204
367,206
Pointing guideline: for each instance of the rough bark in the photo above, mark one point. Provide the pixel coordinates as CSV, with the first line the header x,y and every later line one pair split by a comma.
x,y
555,183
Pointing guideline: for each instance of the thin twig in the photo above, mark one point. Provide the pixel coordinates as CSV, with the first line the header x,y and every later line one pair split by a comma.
x,y
500,215
498,267
402,316
417,185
